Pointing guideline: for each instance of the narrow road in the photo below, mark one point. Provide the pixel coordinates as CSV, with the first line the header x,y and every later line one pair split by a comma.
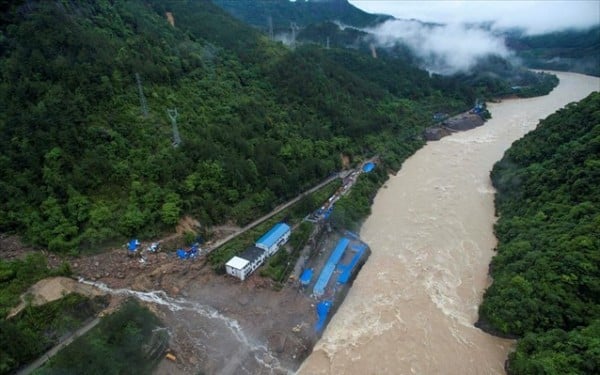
x,y
52,352
271,214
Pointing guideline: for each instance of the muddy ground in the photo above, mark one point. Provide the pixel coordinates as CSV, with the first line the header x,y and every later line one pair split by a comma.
x,y
218,324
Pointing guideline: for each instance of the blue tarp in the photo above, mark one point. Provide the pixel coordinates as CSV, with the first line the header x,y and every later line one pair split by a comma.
x,y
133,245
347,268
306,276
186,254
273,235
368,167
323,309
327,271
352,235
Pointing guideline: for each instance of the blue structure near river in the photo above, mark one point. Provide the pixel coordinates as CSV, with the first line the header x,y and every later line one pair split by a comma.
x,y
335,274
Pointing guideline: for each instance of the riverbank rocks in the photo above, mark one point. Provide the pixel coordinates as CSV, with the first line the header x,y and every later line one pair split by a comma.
x,y
464,121
436,133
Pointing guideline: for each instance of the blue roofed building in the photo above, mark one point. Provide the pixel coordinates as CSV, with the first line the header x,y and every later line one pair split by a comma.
x,y
274,238
242,265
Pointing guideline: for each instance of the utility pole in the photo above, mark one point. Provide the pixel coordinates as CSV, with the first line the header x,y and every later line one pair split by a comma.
x,y
270,28
172,113
143,103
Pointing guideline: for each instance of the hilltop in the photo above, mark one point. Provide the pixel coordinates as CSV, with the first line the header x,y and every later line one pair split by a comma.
x,y
569,50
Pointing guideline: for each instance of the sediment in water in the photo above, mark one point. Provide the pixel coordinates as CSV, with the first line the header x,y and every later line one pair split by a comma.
x,y
412,307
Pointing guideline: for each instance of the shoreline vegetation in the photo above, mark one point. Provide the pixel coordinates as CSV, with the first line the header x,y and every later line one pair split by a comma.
x,y
545,273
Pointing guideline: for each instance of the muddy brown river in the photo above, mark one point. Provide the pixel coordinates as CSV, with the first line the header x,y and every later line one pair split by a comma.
x,y
412,307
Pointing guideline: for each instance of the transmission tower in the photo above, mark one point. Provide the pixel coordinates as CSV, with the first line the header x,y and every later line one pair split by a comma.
x,y
143,103
172,113
327,45
270,28
294,28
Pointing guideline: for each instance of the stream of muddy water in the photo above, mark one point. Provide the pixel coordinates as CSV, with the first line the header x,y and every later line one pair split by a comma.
x,y
412,307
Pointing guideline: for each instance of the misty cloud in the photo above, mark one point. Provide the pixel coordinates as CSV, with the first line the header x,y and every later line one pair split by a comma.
x,y
531,16
444,49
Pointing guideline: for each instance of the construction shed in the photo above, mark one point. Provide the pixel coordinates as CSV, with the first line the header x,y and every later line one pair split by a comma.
x,y
274,238
247,262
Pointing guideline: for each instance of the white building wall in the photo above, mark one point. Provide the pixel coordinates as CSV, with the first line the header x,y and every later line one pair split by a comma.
x,y
234,272
247,269
277,245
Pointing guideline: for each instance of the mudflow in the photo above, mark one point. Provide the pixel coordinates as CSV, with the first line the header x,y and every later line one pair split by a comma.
x,y
412,307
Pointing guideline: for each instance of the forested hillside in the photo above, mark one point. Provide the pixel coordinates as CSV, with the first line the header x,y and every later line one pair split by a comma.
x,y
546,288
83,164
569,50
303,13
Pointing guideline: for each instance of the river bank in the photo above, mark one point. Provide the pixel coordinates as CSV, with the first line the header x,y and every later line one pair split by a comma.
x,y
412,307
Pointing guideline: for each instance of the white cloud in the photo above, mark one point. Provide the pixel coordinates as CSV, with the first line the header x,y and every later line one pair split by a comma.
x,y
535,16
444,49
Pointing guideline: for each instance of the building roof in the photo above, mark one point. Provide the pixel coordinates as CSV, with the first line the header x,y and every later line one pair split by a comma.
x,y
252,253
273,235
237,263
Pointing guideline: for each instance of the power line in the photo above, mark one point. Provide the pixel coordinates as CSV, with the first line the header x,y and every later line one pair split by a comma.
x,y
172,113
143,103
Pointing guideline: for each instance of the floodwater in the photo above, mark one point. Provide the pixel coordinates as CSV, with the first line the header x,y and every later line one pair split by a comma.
x,y
412,307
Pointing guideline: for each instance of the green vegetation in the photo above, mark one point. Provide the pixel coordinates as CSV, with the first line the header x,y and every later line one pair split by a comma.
x,y
16,276
279,266
568,50
291,216
35,329
494,77
130,341
352,209
303,13
546,272
81,166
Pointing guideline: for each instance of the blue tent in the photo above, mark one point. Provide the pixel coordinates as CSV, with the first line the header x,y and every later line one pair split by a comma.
x,y
306,276
193,251
187,254
323,309
133,245
368,167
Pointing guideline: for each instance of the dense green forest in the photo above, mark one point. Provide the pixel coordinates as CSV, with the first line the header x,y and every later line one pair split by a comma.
x,y
303,13
318,23
546,288
129,341
82,163
569,50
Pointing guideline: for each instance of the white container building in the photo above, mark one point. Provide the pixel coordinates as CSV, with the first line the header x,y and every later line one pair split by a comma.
x,y
247,262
